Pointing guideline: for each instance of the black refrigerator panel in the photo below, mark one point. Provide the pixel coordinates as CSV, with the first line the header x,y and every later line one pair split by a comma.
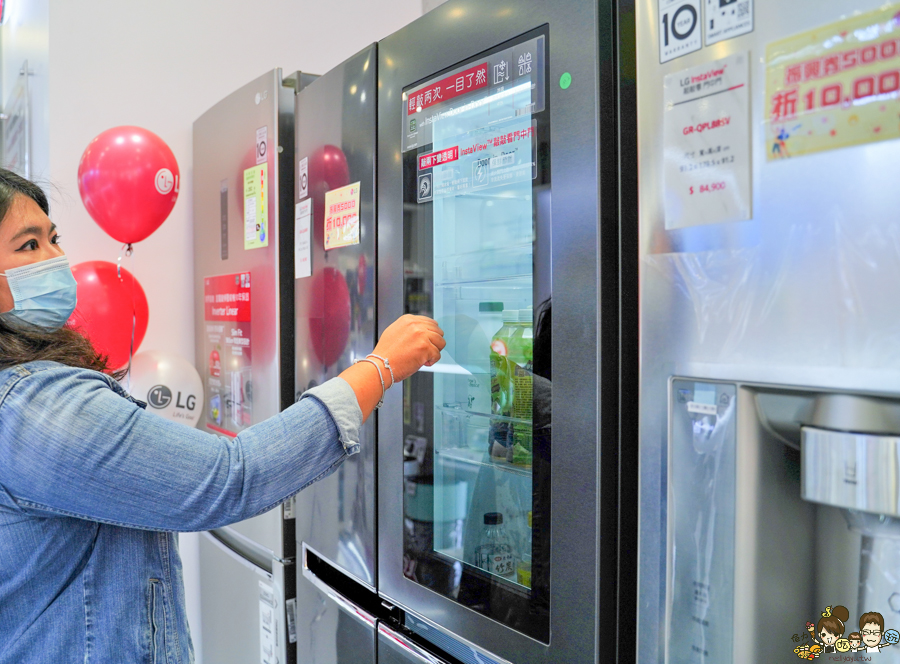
x,y
493,528
335,292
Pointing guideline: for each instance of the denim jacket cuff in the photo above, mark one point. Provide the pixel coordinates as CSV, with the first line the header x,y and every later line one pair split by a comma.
x,y
340,400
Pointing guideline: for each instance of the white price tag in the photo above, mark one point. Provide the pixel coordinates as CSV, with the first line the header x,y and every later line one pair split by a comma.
x,y
302,241
679,28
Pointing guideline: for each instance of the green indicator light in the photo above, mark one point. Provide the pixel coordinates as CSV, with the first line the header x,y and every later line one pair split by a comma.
x,y
565,81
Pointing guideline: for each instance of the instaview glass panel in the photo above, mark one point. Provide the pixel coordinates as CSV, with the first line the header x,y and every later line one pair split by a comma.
x,y
477,425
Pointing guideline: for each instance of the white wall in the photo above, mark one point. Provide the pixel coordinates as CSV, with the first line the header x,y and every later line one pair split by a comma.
x,y
160,64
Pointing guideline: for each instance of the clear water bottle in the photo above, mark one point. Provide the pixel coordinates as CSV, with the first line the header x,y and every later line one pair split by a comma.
x,y
494,552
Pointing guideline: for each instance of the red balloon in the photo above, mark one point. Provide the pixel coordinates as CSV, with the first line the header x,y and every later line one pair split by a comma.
x,y
329,324
108,308
328,169
128,180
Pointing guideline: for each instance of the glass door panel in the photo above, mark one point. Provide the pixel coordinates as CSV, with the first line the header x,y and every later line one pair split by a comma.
x,y
477,424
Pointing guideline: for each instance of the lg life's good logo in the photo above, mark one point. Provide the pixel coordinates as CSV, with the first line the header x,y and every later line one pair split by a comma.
x,y
164,181
831,634
160,396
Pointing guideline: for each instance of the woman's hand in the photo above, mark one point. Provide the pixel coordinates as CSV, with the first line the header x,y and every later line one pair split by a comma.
x,y
409,343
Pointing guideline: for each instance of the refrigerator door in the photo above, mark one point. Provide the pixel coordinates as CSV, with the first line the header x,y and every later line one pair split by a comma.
x,y
335,292
242,607
466,488
331,629
242,171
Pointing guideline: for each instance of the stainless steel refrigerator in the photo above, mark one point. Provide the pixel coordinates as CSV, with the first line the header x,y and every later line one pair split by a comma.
x,y
770,376
481,521
243,289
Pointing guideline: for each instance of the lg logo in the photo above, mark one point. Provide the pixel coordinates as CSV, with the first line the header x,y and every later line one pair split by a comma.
x,y
164,181
160,397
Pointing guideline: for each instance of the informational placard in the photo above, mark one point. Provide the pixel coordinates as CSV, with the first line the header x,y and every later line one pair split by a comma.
x,y
679,28
268,626
487,157
303,178
302,242
342,216
262,144
227,316
510,83
707,143
835,86
256,218
727,18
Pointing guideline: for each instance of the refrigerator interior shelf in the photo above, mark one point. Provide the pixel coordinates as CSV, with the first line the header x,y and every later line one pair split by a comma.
x,y
457,409
478,457
456,553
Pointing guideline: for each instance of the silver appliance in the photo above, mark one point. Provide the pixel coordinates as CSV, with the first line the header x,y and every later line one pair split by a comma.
x,y
243,289
769,369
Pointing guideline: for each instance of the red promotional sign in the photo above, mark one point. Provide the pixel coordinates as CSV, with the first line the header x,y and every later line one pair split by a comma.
x,y
448,88
227,298
438,158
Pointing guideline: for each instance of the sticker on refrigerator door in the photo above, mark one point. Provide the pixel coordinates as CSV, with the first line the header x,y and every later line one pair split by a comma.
x,y
256,219
262,145
303,178
486,157
833,87
679,28
727,18
426,189
229,388
302,241
342,216
706,143
268,625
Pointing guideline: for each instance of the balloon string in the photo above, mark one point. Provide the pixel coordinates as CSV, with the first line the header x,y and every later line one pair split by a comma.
x,y
127,250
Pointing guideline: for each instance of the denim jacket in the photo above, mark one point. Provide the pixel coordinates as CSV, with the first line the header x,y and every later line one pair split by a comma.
x,y
92,489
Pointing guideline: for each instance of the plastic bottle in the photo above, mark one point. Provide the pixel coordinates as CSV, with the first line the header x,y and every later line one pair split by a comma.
x,y
521,358
523,569
501,384
494,552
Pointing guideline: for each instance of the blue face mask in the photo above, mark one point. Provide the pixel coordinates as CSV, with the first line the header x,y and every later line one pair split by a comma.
x,y
44,293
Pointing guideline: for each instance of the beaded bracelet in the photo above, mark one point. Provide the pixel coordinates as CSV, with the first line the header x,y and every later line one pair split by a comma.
x,y
387,365
380,377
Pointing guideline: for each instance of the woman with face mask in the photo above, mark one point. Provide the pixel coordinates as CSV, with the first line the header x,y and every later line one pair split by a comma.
x,y
92,488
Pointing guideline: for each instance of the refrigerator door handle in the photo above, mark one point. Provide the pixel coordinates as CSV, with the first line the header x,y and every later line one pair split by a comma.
x,y
342,602
410,648
235,555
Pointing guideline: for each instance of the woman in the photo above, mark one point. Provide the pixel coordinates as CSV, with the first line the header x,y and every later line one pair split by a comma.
x,y
831,628
92,487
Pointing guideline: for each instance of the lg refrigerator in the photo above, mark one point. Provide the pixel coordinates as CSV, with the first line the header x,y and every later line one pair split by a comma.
x,y
243,289
769,365
486,526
